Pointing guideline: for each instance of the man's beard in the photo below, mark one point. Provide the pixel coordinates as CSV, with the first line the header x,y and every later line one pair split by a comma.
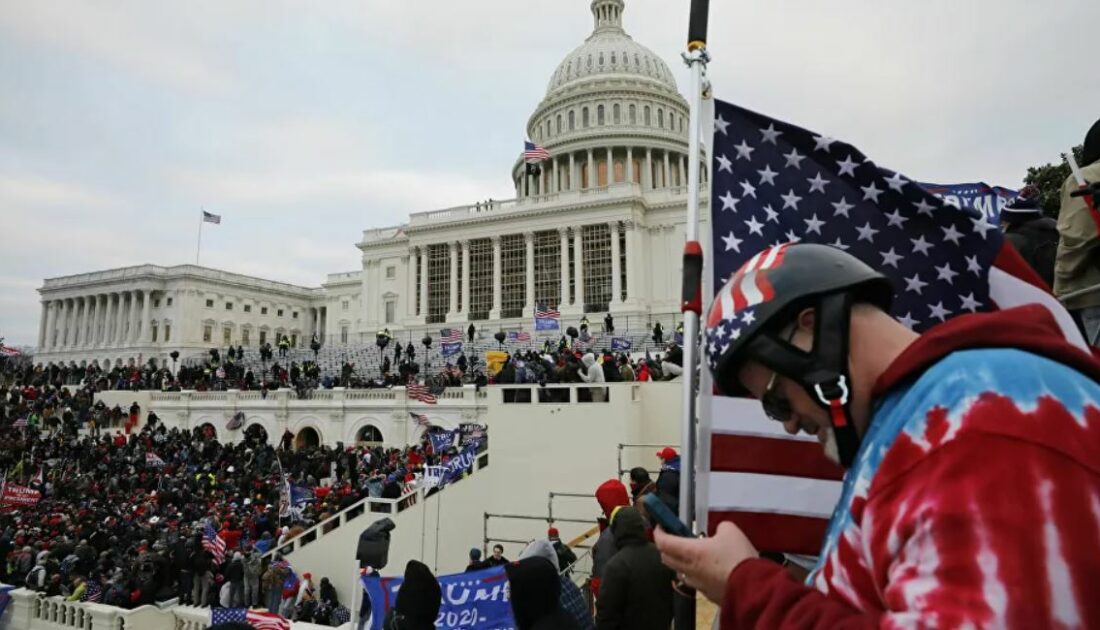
x,y
832,451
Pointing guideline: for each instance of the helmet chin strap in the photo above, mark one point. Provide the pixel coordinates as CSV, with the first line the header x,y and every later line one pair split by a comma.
x,y
822,372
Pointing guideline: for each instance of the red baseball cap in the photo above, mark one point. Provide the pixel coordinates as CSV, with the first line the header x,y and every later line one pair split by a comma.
x,y
552,533
667,453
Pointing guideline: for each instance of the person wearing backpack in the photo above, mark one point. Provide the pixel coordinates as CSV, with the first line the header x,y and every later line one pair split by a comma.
x,y
37,576
1033,235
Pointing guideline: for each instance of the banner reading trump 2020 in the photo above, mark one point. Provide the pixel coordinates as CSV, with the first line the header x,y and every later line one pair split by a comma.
x,y
471,601
19,495
989,200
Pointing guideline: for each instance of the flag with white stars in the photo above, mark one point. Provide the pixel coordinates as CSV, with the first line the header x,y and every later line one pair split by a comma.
x,y
775,183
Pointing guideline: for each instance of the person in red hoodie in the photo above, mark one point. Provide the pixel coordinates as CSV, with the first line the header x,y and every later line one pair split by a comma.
x,y
611,494
972,493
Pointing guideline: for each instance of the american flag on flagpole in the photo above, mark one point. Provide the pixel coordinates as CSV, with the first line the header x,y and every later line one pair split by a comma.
x,y
421,393
256,619
547,312
534,153
450,335
775,183
213,543
420,419
208,217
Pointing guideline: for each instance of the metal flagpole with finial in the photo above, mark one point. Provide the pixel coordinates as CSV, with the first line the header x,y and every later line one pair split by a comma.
x,y
691,297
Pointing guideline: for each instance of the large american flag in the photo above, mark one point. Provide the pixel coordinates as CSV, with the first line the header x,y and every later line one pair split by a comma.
x,y
534,153
547,312
450,335
775,183
256,619
213,543
420,392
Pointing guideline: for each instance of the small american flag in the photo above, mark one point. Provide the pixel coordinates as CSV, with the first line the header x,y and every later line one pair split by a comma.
x,y
421,419
152,459
450,335
519,336
20,423
534,153
543,312
256,619
421,393
93,592
211,218
213,543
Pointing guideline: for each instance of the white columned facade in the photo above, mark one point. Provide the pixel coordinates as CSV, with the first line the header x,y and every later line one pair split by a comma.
x,y
51,323
578,268
62,317
633,271
683,170
93,341
563,235
88,326
616,266
495,313
529,267
452,309
42,324
591,170
109,322
571,184
666,181
610,167
131,336
555,185
145,330
410,283
80,314
423,312
629,165
647,176
464,306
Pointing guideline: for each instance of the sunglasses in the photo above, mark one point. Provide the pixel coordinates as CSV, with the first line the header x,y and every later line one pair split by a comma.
x,y
776,406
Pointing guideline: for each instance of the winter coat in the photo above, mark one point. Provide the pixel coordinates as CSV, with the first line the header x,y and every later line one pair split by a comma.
x,y
1036,238
1078,246
636,590
253,566
235,571
534,593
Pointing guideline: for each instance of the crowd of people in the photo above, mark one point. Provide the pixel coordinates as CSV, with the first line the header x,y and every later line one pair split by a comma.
x,y
122,516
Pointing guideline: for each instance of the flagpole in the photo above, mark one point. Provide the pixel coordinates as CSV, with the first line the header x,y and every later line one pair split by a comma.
x,y
198,245
691,294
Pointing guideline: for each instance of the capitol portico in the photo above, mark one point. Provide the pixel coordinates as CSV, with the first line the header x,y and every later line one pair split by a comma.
x,y
598,227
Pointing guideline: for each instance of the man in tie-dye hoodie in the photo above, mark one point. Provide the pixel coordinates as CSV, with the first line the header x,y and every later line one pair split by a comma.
x,y
972,496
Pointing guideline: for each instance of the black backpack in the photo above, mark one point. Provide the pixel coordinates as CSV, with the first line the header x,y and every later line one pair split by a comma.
x,y
1037,242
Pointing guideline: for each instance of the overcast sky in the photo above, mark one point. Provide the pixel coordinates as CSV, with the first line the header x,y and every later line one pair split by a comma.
x,y
304,123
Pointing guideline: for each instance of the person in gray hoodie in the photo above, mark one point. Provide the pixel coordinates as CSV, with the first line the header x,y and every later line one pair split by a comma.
x,y
570,599
592,372
253,568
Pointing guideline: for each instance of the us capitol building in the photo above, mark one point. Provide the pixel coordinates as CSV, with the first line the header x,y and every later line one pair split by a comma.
x,y
598,227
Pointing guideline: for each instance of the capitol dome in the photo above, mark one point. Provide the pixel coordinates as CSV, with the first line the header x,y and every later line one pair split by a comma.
x,y
610,51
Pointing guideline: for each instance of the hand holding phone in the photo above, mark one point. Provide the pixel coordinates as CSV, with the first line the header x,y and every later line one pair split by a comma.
x,y
663,516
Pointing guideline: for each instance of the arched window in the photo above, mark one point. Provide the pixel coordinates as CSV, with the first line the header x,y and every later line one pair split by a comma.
x,y
572,120
601,59
584,117
613,58
589,61
637,61
660,117
632,113
599,115
645,116
559,123
616,115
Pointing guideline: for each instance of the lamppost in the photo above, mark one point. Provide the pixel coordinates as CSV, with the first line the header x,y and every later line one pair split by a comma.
x,y
427,341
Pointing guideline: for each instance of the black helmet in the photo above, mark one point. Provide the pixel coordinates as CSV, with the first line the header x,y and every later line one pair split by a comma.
x,y
767,292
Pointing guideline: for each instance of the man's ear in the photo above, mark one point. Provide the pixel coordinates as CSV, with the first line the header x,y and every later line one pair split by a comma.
x,y
806,320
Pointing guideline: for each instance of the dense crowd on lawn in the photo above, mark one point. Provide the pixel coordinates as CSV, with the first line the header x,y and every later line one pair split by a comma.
x,y
122,514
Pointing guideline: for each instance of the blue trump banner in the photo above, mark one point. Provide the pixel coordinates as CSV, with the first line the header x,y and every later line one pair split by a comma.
x,y
471,601
989,200
442,440
461,463
547,323
621,344
450,349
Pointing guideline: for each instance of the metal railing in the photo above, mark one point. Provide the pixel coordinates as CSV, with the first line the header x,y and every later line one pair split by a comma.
x,y
622,471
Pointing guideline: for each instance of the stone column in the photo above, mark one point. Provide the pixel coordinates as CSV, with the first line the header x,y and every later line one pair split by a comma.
x,y
592,183
630,165
88,336
632,274
132,318
563,235
50,307
610,166
572,171
423,282
42,324
97,315
146,334
109,322
555,185
683,170
529,267
616,267
495,313
464,307
79,308
578,267
452,310
647,176
667,182
410,283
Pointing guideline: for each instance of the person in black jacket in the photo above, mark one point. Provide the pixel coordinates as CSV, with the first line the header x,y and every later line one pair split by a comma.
x,y
470,332
234,574
534,595
636,591
668,480
1032,234
201,565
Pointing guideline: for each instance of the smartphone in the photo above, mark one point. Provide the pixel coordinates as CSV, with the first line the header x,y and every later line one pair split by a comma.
x,y
662,514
